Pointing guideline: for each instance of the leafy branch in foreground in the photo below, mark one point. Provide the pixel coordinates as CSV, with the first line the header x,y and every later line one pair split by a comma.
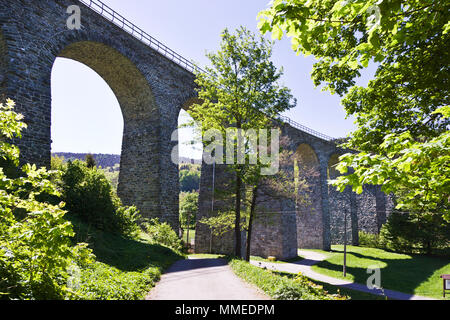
x,y
417,172
402,114
35,247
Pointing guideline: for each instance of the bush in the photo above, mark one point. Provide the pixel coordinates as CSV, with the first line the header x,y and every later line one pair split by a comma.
x,y
369,240
35,247
288,291
189,180
415,233
162,233
89,195
102,282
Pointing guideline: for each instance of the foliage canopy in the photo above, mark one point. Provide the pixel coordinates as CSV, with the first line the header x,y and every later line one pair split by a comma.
x,y
401,116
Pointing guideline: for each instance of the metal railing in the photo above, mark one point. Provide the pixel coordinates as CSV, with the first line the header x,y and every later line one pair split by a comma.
x,y
126,25
299,126
129,27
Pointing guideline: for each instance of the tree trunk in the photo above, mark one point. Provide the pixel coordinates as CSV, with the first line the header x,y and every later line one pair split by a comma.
x,y
237,225
250,223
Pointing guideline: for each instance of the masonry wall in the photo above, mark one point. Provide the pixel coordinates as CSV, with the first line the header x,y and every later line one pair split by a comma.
x,y
276,230
150,89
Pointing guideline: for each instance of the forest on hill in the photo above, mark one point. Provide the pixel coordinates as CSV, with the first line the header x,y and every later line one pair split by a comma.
x,y
102,160
108,160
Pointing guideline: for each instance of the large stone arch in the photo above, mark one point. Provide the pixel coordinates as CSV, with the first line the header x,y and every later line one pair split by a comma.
x,y
138,179
150,88
309,200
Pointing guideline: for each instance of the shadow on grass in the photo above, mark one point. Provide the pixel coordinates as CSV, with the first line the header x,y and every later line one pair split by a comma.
x,y
123,253
403,274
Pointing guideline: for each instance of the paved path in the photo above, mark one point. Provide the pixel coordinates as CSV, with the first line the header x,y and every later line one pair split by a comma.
x,y
203,279
312,258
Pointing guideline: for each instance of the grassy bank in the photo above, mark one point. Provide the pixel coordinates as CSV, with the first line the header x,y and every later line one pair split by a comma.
x,y
414,274
125,269
282,286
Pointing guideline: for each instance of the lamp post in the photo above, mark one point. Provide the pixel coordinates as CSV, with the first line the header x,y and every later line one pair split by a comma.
x,y
345,243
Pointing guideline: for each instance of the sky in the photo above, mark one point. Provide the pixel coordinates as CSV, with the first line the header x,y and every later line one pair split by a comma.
x,y
86,116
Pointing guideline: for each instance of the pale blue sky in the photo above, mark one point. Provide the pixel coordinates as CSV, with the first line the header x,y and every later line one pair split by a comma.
x,y
86,115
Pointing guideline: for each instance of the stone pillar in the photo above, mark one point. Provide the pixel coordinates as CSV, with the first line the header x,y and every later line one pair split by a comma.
x,y
366,208
354,217
274,228
380,200
326,233
212,200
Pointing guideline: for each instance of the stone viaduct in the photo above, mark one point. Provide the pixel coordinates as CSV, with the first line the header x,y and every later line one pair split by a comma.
x,y
152,84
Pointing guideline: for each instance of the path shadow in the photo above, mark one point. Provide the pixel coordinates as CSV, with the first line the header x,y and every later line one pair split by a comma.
x,y
193,264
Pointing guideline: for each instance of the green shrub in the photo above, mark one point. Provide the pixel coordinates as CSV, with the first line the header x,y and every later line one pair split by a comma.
x,y
415,233
288,291
369,240
35,248
102,282
162,233
89,195
189,180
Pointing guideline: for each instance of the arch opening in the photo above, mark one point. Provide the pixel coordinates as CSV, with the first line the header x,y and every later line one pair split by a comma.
x,y
190,152
131,132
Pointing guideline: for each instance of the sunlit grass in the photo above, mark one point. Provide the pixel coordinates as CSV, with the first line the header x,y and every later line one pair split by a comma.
x,y
413,274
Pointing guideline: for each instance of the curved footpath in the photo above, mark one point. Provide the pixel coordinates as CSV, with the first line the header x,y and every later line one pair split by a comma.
x,y
312,258
203,279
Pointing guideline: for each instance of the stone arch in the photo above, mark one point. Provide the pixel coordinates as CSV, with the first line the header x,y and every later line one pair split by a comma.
x,y
310,227
137,181
333,173
164,85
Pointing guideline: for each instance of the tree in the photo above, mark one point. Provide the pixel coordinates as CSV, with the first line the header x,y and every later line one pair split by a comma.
x,y
412,233
402,128
240,91
189,180
90,161
188,210
36,252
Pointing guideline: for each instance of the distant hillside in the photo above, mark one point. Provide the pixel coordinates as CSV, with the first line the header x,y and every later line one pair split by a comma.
x,y
108,160
103,160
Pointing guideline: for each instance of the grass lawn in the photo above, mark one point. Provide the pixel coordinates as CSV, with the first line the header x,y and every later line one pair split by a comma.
x,y
273,283
414,274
